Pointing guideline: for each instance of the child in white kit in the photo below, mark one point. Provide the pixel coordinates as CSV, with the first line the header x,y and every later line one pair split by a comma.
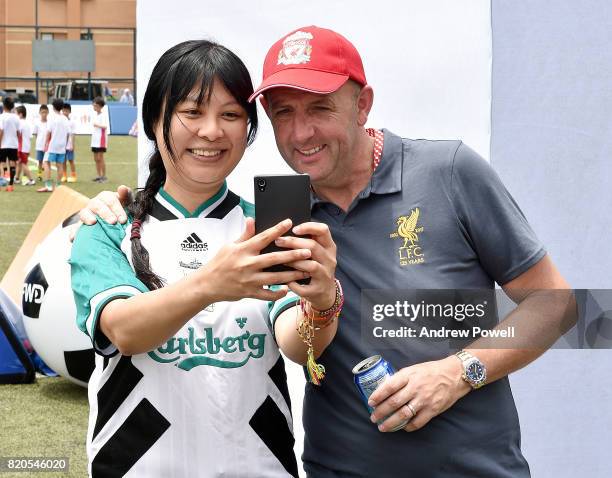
x,y
9,138
66,110
55,151
40,130
99,139
23,152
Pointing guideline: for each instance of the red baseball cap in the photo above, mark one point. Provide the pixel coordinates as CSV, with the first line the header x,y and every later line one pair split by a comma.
x,y
311,59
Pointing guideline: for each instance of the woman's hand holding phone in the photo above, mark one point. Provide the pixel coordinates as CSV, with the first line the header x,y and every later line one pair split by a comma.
x,y
237,270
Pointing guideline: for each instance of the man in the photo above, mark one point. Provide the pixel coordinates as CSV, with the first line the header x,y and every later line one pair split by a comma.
x,y
467,233
127,97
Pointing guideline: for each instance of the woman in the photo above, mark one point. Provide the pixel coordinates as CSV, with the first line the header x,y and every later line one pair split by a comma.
x,y
189,380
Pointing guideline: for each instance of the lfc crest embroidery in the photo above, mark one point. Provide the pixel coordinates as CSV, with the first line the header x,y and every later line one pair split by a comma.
x,y
410,252
296,49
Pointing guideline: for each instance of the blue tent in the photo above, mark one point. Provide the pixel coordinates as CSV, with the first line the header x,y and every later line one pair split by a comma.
x,y
15,363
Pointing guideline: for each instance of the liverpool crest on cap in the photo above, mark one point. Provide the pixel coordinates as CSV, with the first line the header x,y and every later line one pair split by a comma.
x,y
296,49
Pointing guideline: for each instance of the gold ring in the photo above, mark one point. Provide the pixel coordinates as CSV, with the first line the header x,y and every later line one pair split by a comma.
x,y
412,410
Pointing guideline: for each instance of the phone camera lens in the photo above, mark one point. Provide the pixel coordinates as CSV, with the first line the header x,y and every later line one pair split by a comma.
x,y
261,184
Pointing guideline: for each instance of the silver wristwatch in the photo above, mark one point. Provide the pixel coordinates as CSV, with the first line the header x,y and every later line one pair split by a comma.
x,y
474,371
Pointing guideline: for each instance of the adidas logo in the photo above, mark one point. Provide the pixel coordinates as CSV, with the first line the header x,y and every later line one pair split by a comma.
x,y
193,243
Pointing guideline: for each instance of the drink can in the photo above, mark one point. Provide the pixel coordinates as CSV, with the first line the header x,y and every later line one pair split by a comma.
x,y
368,375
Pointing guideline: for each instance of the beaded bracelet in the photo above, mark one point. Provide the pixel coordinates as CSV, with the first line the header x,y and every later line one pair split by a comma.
x,y
317,322
334,310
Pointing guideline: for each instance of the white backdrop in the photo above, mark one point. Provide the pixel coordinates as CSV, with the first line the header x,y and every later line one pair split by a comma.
x,y
552,144
428,62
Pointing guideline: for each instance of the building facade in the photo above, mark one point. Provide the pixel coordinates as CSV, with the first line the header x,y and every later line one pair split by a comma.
x,y
110,24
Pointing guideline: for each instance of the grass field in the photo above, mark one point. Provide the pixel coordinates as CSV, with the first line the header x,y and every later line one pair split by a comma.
x,y
45,419
19,209
49,418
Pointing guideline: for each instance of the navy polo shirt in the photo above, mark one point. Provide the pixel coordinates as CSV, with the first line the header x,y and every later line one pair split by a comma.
x,y
468,232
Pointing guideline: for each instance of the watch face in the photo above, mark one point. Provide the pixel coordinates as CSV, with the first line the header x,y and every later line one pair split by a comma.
x,y
475,371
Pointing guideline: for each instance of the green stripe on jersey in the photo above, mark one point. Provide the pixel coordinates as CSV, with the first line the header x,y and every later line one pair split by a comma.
x,y
180,208
248,209
276,307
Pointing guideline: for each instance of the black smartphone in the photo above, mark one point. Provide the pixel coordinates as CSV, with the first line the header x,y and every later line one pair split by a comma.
x,y
279,197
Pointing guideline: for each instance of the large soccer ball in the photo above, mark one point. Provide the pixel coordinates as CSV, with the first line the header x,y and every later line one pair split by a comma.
x,y
49,310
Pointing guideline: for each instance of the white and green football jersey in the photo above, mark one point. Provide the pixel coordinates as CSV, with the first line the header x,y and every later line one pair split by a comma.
x,y
212,400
